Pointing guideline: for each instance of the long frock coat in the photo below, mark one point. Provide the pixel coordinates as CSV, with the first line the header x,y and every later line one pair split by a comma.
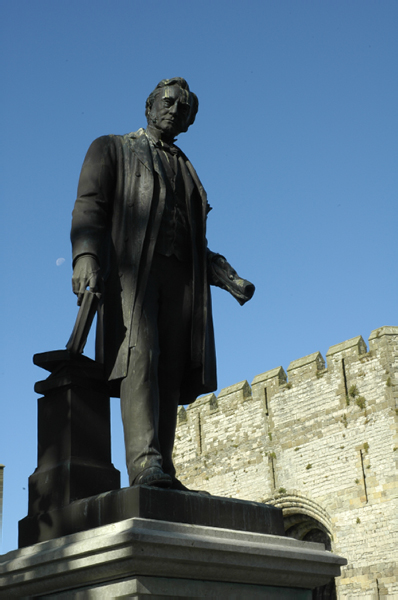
x,y
116,218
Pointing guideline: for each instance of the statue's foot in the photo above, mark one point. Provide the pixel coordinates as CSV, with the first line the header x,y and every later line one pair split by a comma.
x,y
180,487
153,476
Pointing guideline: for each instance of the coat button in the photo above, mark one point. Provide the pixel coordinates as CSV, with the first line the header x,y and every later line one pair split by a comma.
x,y
138,174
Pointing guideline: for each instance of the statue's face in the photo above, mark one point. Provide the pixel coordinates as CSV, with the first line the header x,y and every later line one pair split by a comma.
x,y
170,111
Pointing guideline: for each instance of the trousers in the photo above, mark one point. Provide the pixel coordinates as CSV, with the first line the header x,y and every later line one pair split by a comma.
x,y
150,392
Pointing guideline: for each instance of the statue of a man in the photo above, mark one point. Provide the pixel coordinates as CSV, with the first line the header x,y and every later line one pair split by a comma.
x,y
139,239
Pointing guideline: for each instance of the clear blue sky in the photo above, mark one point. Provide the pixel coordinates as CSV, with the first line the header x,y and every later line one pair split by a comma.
x,y
295,142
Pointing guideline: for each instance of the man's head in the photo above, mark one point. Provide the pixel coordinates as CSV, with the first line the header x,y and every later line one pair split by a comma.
x,y
171,108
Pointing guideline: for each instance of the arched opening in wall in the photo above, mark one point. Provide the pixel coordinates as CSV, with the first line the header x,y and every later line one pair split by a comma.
x,y
307,529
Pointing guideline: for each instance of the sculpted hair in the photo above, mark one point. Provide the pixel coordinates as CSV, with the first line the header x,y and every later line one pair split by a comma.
x,y
182,83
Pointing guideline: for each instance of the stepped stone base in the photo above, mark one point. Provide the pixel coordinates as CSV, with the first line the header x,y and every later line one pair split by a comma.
x,y
150,503
140,557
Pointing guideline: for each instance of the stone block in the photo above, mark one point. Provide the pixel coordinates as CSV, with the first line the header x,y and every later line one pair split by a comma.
x,y
352,348
151,503
239,391
306,367
271,380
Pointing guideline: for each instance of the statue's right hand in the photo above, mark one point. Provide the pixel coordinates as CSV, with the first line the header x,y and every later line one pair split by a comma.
x,y
86,274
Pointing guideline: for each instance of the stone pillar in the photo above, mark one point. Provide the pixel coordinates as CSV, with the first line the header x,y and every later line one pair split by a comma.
x,y
74,452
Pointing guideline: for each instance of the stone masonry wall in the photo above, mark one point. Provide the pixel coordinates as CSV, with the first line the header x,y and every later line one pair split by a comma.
x,y
319,442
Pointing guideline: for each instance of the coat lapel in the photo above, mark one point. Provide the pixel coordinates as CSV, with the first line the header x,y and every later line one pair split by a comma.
x,y
141,148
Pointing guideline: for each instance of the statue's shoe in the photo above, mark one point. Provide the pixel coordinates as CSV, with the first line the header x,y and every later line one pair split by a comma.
x,y
180,487
153,476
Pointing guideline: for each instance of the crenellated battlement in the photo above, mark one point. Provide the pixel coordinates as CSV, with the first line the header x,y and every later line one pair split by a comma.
x,y
320,438
305,369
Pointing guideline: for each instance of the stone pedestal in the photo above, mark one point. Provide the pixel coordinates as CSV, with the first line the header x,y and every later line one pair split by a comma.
x,y
139,557
74,449
154,503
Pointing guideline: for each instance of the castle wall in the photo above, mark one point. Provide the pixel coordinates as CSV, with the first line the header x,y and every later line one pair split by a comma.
x,y
321,442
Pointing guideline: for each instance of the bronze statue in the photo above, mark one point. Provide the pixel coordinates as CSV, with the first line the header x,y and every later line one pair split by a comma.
x,y
139,240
